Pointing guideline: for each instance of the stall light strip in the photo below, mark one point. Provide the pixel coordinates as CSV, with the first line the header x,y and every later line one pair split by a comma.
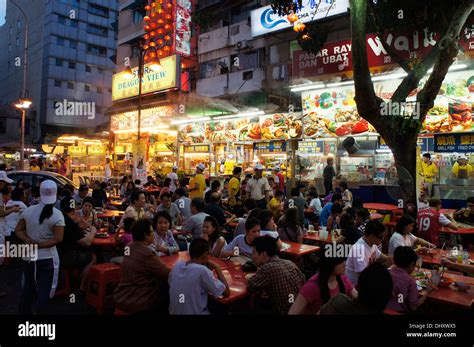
x,y
187,121
160,129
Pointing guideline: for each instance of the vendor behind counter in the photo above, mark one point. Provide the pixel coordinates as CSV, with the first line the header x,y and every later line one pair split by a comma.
x,y
462,169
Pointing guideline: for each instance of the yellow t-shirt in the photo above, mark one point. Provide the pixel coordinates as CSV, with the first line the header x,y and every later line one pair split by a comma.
x,y
429,171
457,167
201,181
35,168
275,205
234,186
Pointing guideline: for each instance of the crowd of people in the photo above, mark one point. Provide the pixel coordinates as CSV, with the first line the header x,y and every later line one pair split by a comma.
x,y
63,225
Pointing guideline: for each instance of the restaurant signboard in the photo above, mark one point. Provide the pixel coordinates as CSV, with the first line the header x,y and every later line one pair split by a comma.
x,y
454,142
152,82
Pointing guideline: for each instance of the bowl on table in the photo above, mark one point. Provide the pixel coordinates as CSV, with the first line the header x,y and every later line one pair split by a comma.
x,y
445,282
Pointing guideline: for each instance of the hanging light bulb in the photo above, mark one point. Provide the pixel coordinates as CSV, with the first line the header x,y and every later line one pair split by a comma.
x,y
293,17
299,27
167,37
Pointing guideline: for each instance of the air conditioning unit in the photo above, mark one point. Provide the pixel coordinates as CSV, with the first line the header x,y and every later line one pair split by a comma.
x,y
279,72
242,44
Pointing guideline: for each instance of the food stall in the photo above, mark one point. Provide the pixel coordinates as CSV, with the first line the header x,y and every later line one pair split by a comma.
x,y
239,141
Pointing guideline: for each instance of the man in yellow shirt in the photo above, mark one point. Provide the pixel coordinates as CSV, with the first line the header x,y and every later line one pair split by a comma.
x,y
34,166
429,172
461,169
234,187
197,184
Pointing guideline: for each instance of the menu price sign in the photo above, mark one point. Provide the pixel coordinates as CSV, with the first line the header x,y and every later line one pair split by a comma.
x,y
426,144
454,143
197,149
311,146
270,147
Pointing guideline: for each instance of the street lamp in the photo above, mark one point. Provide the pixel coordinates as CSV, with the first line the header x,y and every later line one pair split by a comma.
x,y
155,65
23,105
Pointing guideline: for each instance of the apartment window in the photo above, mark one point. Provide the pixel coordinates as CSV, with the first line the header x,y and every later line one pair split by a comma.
x,y
17,41
3,125
73,44
138,16
246,61
59,62
9,47
97,30
87,87
247,75
88,68
60,41
100,70
18,24
72,65
99,90
70,85
61,19
11,31
98,10
98,50
57,83
74,23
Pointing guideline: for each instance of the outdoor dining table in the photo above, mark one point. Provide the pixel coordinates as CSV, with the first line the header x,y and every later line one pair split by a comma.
x,y
171,260
110,214
111,240
297,249
460,231
317,238
447,211
451,295
117,203
380,207
435,256
237,281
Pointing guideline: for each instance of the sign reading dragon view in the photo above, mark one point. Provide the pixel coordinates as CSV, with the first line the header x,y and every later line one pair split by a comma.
x,y
153,81
265,21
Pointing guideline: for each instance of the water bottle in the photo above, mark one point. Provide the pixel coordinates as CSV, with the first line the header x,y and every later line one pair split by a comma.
x,y
465,258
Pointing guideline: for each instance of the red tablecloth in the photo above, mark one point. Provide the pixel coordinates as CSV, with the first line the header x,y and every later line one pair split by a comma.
x,y
460,231
298,249
380,207
110,214
109,241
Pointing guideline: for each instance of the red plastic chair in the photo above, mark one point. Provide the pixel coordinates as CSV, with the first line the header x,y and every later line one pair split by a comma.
x,y
102,281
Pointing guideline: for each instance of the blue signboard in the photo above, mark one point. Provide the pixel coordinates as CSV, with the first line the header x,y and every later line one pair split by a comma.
x,y
270,147
459,142
311,146
426,144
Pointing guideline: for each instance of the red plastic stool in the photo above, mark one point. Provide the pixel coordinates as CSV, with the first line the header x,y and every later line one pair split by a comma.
x,y
65,289
102,281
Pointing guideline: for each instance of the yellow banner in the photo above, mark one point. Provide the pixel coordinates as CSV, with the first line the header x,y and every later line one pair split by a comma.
x,y
96,150
77,150
152,81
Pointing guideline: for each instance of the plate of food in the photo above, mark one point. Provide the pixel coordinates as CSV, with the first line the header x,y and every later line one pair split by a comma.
x,y
101,235
419,275
421,284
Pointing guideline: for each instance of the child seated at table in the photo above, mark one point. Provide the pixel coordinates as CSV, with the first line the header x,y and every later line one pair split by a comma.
x,y
431,220
124,237
241,245
164,244
210,233
280,279
191,282
405,292
328,282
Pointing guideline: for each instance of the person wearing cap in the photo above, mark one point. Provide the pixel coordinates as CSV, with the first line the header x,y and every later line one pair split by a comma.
x,y
40,226
74,251
197,184
279,178
4,211
258,188
173,176
461,169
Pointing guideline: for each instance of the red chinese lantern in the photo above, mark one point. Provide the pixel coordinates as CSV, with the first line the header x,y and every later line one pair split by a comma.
x,y
167,37
153,4
166,48
153,33
146,18
160,52
146,36
160,31
169,5
168,17
147,7
153,25
160,21
299,27
160,11
145,47
153,15
292,17
152,44
146,58
167,26
160,41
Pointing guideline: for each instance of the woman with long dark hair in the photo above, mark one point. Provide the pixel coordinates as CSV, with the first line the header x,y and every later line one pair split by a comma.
x,y
123,186
403,236
166,186
211,233
349,232
42,227
289,227
328,282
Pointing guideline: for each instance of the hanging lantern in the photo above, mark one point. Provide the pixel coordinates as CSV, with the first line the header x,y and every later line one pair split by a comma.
x,y
146,18
160,11
153,4
299,27
305,37
147,28
146,58
293,17
168,17
169,5
152,55
153,25
167,48
160,31
152,44
147,8
160,21
160,41
160,52
153,33
146,36
167,26
153,15
167,37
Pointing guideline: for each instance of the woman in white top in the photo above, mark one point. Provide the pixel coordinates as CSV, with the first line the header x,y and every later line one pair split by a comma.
x,y
403,236
210,233
42,227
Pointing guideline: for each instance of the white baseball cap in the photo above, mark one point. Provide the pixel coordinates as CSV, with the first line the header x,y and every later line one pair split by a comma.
x,y
462,157
276,168
48,192
4,177
175,167
259,167
201,166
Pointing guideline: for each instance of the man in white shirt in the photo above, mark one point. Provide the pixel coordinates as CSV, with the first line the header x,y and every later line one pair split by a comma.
x,y
365,251
258,188
17,196
191,282
173,176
